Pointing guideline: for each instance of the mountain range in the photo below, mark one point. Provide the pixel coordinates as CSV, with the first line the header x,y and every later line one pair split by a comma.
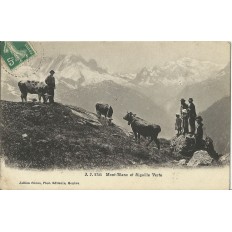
x,y
153,93
183,71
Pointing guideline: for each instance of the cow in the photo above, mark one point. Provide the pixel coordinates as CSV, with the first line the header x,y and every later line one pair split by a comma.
x,y
105,110
33,87
141,127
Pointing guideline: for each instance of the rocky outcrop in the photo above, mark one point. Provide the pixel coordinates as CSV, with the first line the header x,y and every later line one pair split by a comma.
x,y
182,146
200,158
86,117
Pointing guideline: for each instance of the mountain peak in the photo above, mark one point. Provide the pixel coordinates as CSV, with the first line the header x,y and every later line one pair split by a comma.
x,y
184,70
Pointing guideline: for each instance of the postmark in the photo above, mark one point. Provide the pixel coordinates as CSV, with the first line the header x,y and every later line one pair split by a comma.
x,y
32,63
15,53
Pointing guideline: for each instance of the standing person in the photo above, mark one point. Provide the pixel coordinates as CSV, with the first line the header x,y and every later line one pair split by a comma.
x,y
192,116
182,106
199,133
185,121
50,81
178,124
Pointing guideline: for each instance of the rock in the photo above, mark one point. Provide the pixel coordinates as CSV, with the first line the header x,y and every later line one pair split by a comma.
x,y
182,146
89,118
181,162
24,136
224,159
200,158
93,124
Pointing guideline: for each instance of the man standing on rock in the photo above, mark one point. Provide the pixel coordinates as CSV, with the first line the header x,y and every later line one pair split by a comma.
x,y
192,116
50,81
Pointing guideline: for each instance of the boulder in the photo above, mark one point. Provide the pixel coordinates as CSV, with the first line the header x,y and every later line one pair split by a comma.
x,y
224,159
182,146
200,158
181,162
89,118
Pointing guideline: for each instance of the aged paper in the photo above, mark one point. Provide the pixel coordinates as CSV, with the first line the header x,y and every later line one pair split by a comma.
x,y
115,115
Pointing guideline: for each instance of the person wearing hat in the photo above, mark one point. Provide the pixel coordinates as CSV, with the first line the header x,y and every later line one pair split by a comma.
x,y
178,124
199,133
192,116
50,81
182,106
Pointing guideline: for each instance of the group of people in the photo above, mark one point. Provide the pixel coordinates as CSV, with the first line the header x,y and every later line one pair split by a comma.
x,y
187,122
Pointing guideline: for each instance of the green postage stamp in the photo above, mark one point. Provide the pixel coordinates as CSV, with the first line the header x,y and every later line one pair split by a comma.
x,y
15,53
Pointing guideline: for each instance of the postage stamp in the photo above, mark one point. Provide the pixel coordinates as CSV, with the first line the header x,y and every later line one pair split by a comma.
x,y
15,53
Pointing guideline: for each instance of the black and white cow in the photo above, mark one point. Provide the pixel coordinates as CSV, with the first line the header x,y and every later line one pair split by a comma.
x,y
141,127
33,87
105,110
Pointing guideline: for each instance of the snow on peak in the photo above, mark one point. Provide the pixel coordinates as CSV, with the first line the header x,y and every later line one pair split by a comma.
x,y
184,70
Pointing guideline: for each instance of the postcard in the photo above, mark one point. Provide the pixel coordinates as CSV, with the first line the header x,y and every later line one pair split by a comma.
x,y
115,115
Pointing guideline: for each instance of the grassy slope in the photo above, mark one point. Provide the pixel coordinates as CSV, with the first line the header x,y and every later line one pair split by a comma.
x,y
58,138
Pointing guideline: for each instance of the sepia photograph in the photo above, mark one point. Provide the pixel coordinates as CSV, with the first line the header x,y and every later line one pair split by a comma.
x,y
115,115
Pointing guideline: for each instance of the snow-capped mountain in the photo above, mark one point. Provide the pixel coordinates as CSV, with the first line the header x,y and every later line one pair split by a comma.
x,y
152,93
160,84
74,71
180,72
71,70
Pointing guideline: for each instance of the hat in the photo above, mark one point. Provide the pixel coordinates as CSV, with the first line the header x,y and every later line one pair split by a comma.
x,y
182,100
177,114
52,71
199,118
190,99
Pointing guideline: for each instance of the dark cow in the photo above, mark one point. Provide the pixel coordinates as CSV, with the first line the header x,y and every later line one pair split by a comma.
x,y
141,127
33,87
105,110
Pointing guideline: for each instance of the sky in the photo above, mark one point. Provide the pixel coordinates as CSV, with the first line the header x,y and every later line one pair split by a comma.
x,y
130,57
